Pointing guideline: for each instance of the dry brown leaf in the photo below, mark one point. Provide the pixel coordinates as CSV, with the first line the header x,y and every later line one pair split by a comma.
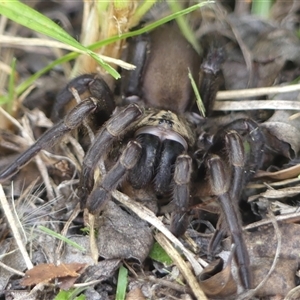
x,y
43,273
263,242
281,280
122,235
277,194
135,294
218,281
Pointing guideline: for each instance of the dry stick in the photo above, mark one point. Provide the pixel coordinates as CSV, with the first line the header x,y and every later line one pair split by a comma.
x,y
93,243
35,42
292,217
147,215
12,221
256,104
64,231
255,92
172,285
181,265
12,270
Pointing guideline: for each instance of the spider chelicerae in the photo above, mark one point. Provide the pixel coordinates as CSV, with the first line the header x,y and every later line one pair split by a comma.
x,y
155,133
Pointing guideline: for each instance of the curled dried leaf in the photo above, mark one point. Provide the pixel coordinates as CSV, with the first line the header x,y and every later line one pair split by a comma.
x,y
218,281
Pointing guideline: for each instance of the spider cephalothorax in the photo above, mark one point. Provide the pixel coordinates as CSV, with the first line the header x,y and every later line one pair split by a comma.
x,y
155,140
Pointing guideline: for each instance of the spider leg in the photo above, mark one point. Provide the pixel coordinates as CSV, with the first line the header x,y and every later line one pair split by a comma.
x,y
72,120
254,143
143,171
235,149
101,193
209,76
117,126
170,151
181,193
86,85
220,187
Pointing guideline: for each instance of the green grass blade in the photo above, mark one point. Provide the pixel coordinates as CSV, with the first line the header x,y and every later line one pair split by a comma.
x,y
159,254
199,101
262,7
184,26
25,84
69,295
26,16
122,283
61,237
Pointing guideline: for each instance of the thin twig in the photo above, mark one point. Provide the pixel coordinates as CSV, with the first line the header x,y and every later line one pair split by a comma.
x,y
12,223
65,230
256,104
35,42
147,215
256,92
12,270
181,265
292,217
251,293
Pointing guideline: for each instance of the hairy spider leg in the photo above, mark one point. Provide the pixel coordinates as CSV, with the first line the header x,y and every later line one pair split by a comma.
x,y
116,127
169,153
181,194
143,171
71,121
210,75
244,161
86,85
220,187
253,158
101,193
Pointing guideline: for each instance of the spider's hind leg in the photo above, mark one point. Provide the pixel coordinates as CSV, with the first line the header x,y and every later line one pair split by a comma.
x,y
220,182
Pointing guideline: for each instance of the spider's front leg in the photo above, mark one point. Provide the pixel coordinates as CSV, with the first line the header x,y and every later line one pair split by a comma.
x,y
102,102
72,120
85,86
220,185
181,194
101,193
115,128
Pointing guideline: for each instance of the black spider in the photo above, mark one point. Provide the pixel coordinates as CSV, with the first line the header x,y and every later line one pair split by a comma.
x,y
156,142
